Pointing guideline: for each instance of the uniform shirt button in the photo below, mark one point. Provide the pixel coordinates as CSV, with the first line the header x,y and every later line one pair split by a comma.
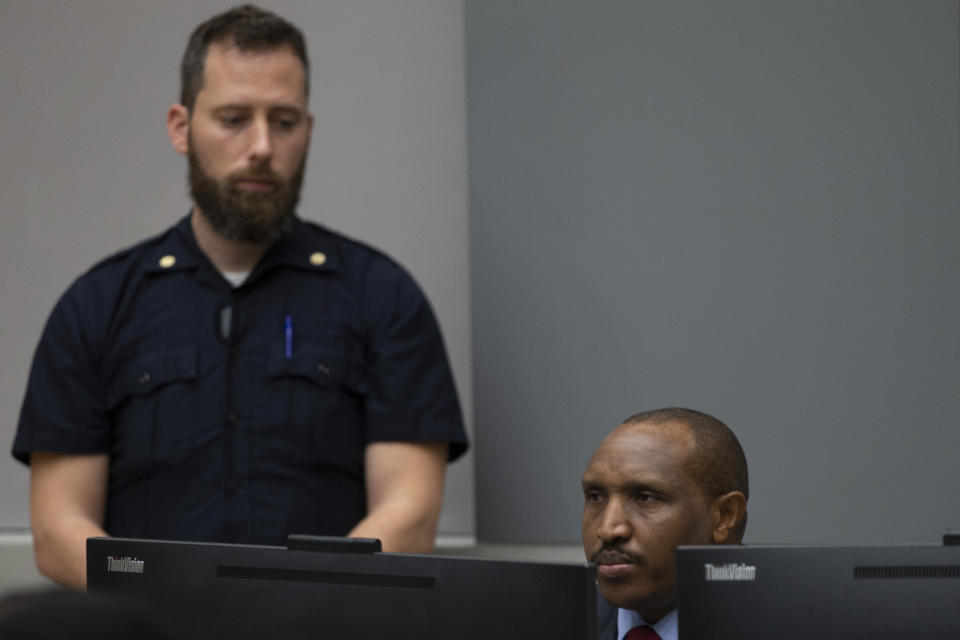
x,y
323,369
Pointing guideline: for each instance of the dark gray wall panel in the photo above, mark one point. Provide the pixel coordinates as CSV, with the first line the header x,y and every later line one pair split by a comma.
x,y
749,208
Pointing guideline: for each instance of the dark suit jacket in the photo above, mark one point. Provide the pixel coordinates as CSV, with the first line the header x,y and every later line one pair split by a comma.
x,y
606,620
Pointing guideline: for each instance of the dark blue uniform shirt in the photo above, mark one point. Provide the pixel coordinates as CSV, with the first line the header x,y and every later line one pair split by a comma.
x,y
239,414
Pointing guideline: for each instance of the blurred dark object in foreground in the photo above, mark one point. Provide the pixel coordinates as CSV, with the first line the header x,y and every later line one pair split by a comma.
x,y
55,614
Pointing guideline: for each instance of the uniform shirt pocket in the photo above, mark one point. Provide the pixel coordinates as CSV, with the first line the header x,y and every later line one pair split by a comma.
x,y
153,398
314,408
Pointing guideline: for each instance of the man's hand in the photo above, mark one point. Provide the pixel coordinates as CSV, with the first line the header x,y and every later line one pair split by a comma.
x,y
404,494
68,497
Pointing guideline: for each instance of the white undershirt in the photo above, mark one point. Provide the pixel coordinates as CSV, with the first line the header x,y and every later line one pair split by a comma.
x,y
235,278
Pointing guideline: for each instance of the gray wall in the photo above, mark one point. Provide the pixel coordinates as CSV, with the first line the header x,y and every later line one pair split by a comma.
x,y
745,207
87,167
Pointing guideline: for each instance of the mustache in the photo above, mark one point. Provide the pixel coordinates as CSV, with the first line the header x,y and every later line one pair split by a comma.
x,y
265,175
615,554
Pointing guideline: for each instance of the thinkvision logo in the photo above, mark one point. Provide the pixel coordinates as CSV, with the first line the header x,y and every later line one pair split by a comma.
x,y
731,572
125,564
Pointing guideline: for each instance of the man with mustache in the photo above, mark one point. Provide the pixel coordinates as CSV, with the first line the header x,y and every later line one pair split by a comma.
x,y
662,479
246,374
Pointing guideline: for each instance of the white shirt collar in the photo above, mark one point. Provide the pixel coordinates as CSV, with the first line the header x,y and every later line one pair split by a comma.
x,y
666,628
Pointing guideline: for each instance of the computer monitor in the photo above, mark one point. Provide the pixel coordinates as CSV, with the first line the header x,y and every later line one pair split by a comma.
x,y
737,592
295,592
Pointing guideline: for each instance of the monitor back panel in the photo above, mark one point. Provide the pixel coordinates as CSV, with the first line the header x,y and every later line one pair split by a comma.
x,y
818,592
252,590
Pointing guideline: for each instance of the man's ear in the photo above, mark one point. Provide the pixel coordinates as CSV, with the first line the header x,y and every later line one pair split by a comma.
x,y
728,511
178,127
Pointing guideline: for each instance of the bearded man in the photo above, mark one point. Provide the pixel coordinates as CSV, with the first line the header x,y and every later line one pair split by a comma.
x,y
246,374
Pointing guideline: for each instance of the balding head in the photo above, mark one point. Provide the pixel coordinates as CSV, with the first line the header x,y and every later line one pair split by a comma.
x,y
649,488
717,461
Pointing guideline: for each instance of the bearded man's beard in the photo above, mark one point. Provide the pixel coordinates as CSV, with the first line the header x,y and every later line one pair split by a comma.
x,y
261,217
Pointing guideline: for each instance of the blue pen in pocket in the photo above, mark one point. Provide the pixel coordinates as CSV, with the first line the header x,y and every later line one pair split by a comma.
x,y
288,336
